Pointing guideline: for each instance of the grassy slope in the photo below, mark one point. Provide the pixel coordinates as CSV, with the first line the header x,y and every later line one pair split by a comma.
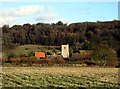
x,y
25,49
59,77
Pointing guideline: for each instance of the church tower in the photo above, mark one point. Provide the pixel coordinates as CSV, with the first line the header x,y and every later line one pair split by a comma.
x,y
65,51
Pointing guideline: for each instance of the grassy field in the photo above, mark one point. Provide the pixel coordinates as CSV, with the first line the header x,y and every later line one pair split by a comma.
x,y
26,49
59,77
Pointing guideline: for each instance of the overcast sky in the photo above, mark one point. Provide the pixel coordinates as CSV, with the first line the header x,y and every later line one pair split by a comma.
x,y
51,12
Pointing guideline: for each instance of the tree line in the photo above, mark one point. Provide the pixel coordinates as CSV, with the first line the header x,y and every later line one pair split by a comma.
x,y
85,35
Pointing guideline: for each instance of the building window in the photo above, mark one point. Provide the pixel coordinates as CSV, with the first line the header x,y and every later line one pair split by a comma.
x,y
64,47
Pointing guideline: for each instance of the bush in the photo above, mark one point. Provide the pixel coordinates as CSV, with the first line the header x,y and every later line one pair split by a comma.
x,y
26,48
10,55
31,53
22,55
49,53
59,61
44,61
106,56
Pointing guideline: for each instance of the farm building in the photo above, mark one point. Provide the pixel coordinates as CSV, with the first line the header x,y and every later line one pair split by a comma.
x,y
40,55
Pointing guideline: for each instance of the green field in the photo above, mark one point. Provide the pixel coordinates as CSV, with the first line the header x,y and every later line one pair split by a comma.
x,y
27,49
65,77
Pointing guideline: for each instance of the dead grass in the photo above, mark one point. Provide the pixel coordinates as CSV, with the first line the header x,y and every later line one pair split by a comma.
x,y
59,77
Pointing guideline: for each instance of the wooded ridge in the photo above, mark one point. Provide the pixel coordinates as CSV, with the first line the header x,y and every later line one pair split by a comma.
x,y
86,35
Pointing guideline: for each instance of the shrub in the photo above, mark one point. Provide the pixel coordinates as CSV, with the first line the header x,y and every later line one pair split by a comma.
x,y
31,60
3,60
23,60
49,53
44,61
10,55
26,48
58,61
22,55
106,56
31,53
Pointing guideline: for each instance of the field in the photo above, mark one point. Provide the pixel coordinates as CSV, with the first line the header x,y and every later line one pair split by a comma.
x,y
65,77
27,49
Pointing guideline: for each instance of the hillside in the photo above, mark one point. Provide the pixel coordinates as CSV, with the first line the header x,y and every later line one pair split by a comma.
x,y
101,37
86,35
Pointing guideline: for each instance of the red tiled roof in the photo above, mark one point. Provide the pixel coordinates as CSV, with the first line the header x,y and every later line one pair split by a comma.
x,y
40,54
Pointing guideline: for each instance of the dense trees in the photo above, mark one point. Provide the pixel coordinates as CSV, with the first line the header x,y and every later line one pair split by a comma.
x,y
106,56
89,35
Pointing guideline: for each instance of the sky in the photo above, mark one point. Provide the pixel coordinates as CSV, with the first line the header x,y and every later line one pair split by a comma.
x,y
19,13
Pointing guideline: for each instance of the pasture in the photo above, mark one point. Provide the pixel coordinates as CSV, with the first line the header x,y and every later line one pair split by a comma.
x,y
28,50
65,77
